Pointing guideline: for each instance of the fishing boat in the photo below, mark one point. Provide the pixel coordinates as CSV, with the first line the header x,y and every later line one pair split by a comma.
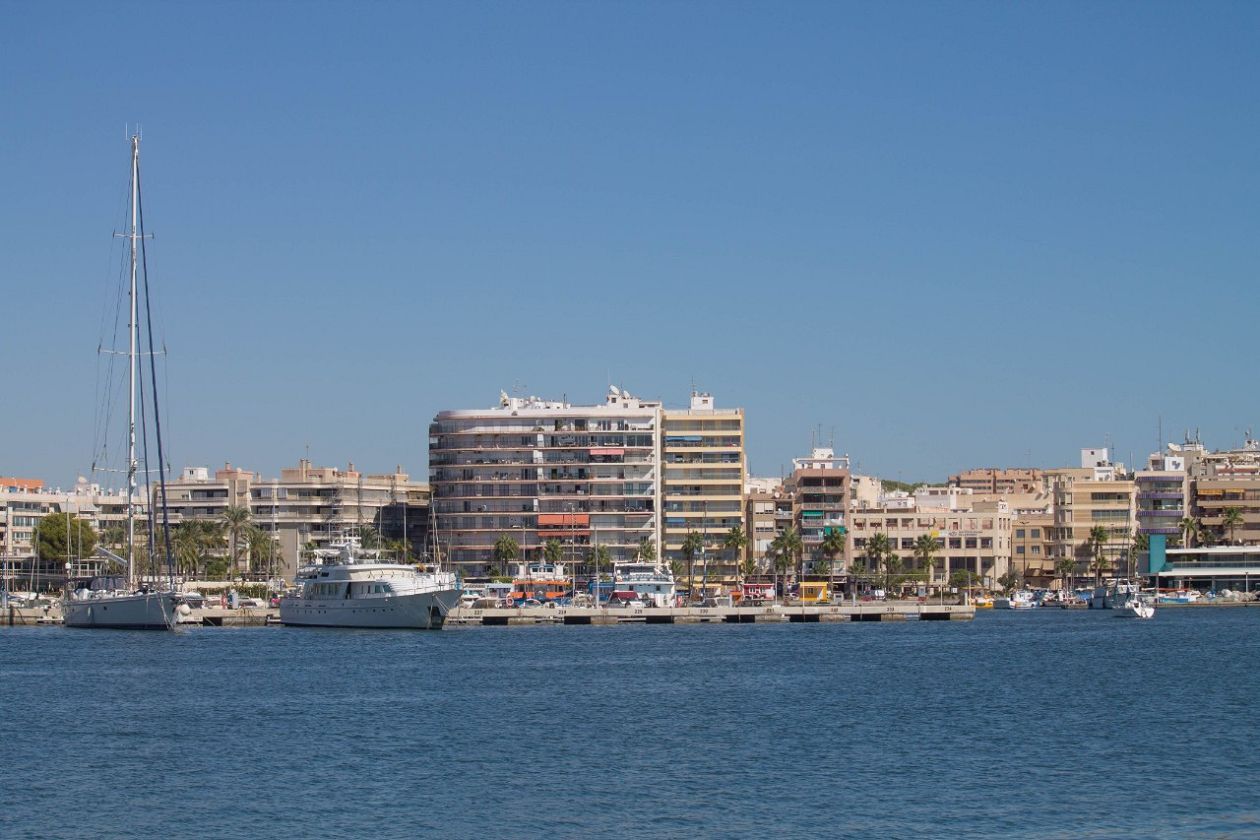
x,y
650,583
346,586
1021,599
540,581
123,601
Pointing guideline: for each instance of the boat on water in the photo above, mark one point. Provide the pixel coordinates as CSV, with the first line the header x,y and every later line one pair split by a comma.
x,y
349,587
543,582
1124,599
1022,599
649,583
122,601
1179,596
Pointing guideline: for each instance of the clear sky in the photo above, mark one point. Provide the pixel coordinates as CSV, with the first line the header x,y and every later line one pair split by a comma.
x,y
956,234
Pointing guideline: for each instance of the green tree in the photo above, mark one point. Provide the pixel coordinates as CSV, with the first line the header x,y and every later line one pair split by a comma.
x,y
647,550
1232,521
262,549
235,519
747,568
676,568
877,550
794,548
780,561
369,536
1189,528
603,561
114,537
832,547
1009,581
506,549
1063,568
60,536
925,547
691,546
1096,542
961,579
735,541
553,551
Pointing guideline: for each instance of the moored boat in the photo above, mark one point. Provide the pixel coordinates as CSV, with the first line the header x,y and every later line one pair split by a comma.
x,y
650,583
347,587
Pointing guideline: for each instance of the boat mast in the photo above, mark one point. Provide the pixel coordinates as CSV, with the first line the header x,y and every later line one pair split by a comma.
x,y
132,327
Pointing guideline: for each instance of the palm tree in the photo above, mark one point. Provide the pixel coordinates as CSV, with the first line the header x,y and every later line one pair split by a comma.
x,y
235,519
188,547
781,560
506,550
794,549
691,546
747,569
925,552
553,551
647,549
368,536
877,550
1097,542
1233,519
832,547
735,541
1064,567
1189,528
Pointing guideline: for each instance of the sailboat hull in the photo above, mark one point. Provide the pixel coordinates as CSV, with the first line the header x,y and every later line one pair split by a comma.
x,y
137,611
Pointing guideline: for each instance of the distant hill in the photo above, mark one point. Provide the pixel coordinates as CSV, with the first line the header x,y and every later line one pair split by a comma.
x,y
889,485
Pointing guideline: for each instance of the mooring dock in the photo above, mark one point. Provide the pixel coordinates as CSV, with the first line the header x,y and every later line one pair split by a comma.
x,y
887,611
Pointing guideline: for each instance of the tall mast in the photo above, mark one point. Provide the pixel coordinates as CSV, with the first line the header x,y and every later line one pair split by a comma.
x,y
132,358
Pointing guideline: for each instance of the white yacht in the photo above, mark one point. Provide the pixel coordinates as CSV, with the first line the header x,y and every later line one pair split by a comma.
x,y
121,601
650,582
347,587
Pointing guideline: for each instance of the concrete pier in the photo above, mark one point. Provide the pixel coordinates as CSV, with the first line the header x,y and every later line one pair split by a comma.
x,y
887,611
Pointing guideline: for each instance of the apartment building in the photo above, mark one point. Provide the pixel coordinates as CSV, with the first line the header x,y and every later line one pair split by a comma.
x,y
541,470
767,510
1224,481
702,480
1161,493
26,501
1095,494
307,504
967,540
819,488
994,480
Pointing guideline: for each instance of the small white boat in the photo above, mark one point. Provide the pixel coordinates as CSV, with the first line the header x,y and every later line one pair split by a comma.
x,y
1019,600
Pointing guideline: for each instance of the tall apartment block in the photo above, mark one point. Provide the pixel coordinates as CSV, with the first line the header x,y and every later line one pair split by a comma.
x,y
306,504
26,501
702,488
1096,494
819,488
541,470
1224,481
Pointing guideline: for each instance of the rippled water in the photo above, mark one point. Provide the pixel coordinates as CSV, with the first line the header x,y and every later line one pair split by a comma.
x,y
1049,724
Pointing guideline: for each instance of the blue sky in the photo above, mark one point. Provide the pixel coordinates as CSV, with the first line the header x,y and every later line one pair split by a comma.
x,y
957,234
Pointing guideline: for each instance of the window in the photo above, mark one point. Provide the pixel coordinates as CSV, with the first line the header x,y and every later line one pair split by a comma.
x,y
1019,533
1035,533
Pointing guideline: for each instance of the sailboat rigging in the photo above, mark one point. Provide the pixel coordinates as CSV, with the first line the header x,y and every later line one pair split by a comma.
x,y
108,601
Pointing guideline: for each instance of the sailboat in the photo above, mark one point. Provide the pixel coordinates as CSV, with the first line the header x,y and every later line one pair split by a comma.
x,y
121,601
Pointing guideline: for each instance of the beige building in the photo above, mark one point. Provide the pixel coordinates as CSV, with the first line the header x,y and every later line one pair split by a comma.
x,y
307,504
702,486
1097,495
25,501
819,488
994,480
967,540
1224,481
541,470
1032,548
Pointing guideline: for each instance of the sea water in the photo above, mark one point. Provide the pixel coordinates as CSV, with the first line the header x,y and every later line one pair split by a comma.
x,y
1038,724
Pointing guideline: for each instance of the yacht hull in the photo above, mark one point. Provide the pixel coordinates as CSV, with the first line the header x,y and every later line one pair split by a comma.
x,y
140,611
418,611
